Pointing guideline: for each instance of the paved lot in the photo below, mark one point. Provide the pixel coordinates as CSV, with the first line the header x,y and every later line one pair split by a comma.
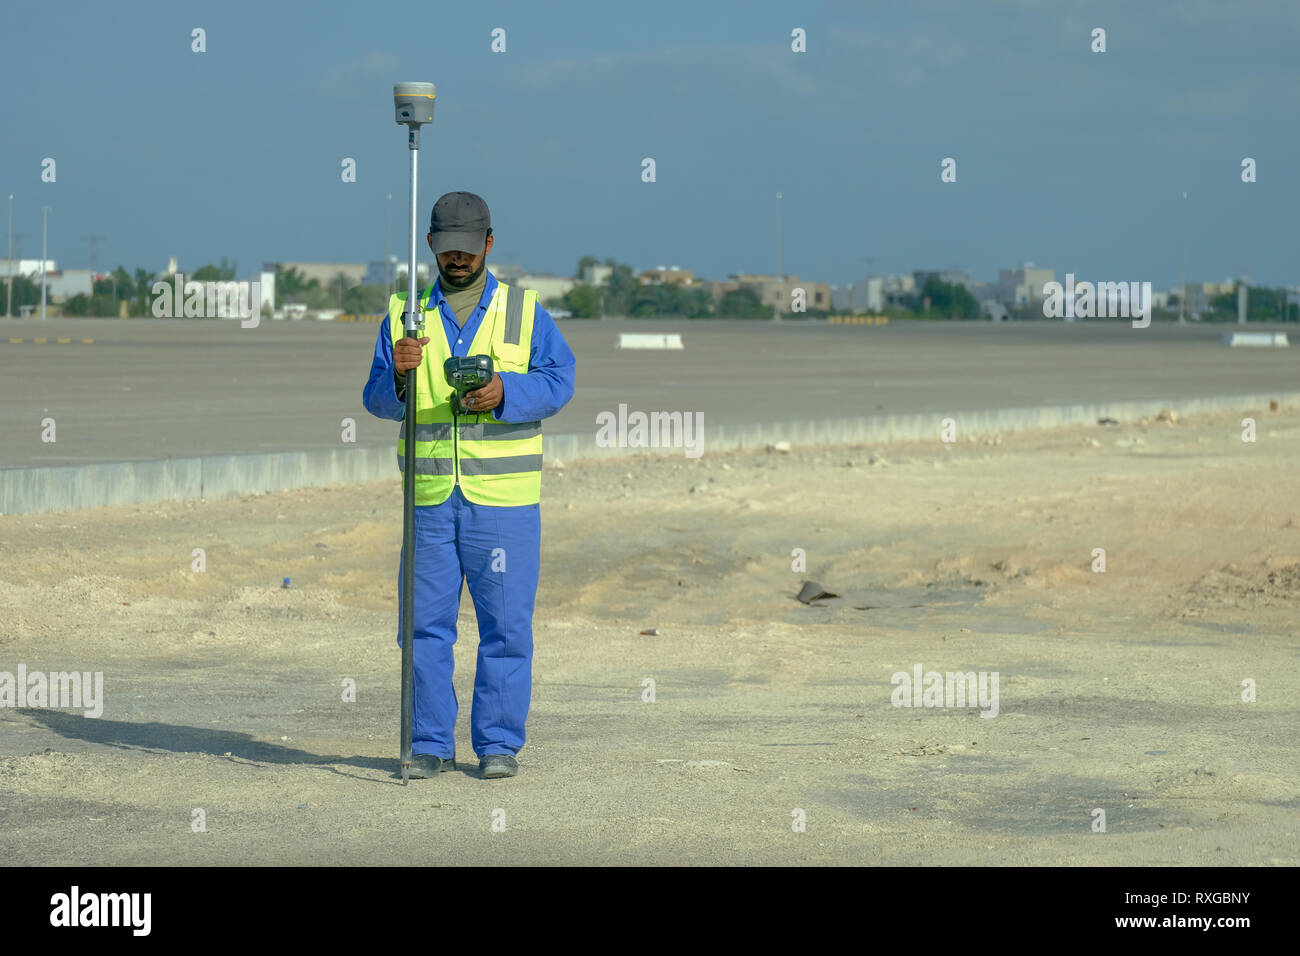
x,y
153,388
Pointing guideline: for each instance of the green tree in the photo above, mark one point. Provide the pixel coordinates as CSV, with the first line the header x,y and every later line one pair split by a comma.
x,y
582,264
621,289
78,305
1262,305
651,300
104,306
100,305
950,299
742,303
26,292
366,300
116,286
338,288
142,299
670,299
290,284
1223,306
698,303
583,301
210,273
124,288
314,297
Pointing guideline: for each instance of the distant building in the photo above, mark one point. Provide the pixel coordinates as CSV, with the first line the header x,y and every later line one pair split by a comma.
x,y
354,273
817,295
421,274
868,295
267,288
1022,287
875,294
861,295
1200,296
64,285
27,267
895,290
990,302
671,275
596,274
549,288
1211,289
507,272
379,273
994,309
1292,298
772,291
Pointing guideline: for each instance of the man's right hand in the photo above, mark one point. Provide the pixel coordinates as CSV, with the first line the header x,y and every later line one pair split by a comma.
x,y
406,354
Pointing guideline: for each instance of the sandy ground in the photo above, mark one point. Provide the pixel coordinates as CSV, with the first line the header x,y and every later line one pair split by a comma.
x,y
1118,690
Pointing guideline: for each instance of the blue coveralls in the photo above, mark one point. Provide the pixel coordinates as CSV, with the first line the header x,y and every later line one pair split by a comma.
x,y
454,542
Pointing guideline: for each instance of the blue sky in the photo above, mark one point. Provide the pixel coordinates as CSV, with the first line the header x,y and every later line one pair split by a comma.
x,y
1071,159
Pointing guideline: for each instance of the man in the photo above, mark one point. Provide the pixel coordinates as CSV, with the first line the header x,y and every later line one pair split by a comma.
x,y
477,483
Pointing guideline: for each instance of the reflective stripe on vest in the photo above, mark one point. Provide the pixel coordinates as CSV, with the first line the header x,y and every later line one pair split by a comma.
x,y
495,463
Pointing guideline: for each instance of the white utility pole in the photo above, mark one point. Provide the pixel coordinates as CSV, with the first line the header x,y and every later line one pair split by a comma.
x,y
9,261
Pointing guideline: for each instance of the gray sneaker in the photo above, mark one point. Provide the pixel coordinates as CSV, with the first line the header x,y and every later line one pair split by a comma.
x,y
498,765
427,765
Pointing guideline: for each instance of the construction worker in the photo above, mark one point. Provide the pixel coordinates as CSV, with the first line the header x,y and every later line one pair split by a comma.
x,y
477,484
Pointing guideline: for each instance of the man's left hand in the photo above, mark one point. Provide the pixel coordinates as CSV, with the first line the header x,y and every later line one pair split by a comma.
x,y
486,398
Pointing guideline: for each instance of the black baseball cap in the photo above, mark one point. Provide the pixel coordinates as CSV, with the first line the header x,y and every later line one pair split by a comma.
x,y
460,221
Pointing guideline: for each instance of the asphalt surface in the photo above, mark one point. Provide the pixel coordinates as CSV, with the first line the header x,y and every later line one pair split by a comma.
x,y
148,388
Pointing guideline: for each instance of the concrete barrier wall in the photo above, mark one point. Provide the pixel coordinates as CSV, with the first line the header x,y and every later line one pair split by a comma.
x,y
74,487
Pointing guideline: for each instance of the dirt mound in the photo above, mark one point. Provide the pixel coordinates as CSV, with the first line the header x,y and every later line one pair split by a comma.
x,y
1273,581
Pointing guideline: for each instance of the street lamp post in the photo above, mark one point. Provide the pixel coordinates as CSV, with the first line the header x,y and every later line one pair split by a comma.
x,y
45,224
776,306
871,263
9,262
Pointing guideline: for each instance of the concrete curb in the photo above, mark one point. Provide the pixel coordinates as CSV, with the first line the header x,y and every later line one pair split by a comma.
x,y
913,427
75,487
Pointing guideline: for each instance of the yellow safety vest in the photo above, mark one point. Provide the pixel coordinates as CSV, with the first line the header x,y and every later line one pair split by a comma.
x,y
494,463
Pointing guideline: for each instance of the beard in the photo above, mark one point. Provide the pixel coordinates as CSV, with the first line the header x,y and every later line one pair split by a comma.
x,y
461,282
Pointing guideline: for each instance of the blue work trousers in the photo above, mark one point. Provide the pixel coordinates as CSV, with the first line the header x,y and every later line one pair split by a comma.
x,y
498,551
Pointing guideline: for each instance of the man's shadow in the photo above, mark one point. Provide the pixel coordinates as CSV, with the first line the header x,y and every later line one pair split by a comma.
x,y
182,739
